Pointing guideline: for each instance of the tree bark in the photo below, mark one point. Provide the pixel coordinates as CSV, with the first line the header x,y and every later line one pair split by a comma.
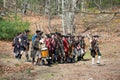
x,y
70,15
63,16
82,7
4,3
49,14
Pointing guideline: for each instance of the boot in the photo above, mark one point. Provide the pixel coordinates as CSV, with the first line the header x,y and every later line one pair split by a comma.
x,y
27,57
20,55
17,56
33,60
38,61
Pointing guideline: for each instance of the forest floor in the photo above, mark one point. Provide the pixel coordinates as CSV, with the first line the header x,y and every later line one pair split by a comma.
x,y
109,69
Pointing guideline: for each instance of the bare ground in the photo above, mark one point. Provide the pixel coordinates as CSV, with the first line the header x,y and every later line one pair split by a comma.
x,y
13,69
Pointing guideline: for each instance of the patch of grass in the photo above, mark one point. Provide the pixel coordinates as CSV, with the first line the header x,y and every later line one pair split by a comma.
x,y
2,55
52,74
17,65
1,71
4,78
116,20
47,76
28,71
93,10
16,76
87,55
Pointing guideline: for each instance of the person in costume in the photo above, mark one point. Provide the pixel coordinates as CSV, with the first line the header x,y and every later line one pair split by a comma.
x,y
95,49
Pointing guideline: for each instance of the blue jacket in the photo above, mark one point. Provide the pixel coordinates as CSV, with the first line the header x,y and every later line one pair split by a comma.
x,y
33,38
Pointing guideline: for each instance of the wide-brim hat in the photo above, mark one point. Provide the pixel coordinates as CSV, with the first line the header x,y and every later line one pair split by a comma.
x,y
73,36
96,36
64,36
52,33
27,30
69,34
79,35
83,36
48,35
57,33
37,31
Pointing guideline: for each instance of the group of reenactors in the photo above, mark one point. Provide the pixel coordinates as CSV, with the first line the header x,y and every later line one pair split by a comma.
x,y
58,48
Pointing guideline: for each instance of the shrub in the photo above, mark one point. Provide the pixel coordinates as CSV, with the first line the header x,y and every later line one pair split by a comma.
x,y
9,28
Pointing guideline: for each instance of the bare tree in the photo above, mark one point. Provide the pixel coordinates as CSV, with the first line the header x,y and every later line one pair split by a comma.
x,y
63,16
4,3
70,6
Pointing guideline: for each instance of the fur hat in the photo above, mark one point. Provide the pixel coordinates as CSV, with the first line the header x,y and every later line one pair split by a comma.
x,y
27,30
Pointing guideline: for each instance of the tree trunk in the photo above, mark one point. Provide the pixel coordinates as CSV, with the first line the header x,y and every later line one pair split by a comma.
x,y
25,7
70,15
82,7
49,18
16,8
46,6
63,16
4,3
58,5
